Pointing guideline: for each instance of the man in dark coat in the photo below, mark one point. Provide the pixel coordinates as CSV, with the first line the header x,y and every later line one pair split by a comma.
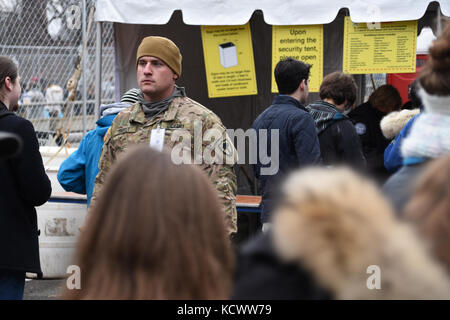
x,y
291,138
367,118
339,143
24,185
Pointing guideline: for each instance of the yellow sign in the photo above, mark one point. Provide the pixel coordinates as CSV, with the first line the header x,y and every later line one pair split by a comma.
x,y
387,47
304,43
230,68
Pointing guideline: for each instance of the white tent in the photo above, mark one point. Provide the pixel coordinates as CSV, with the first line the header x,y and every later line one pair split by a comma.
x,y
287,12
126,13
425,40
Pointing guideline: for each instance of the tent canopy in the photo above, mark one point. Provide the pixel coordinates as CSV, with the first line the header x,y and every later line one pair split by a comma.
x,y
287,12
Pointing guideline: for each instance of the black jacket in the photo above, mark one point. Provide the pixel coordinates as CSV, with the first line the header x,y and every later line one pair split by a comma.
x,y
339,143
261,275
23,185
367,124
298,146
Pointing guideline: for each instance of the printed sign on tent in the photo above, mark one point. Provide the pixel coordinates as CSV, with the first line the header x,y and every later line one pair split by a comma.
x,y
304,43
229,64
388,49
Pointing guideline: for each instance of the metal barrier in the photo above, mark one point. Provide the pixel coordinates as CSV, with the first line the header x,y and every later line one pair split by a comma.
x,y
46,121
45,38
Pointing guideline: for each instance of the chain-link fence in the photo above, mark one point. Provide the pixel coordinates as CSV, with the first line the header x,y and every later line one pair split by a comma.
x,y
45,39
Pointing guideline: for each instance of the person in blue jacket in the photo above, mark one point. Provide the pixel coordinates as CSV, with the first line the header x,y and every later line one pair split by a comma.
x,y
77,173
393,159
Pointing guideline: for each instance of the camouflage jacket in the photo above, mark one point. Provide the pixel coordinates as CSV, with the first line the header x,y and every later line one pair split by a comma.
x,y
183,116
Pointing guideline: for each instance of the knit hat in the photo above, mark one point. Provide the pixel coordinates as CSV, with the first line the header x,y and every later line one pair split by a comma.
x,y
131,96
163,49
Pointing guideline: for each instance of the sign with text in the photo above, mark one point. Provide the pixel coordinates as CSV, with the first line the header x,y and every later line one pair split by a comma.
x,y
304,43
229,63
391,48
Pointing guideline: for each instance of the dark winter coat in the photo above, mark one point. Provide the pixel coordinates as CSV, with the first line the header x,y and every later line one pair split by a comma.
x,y
339,143
23,185
298,145
261,275
367,124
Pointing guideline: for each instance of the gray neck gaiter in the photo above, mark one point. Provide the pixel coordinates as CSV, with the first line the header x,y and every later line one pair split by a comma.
x,y
152,109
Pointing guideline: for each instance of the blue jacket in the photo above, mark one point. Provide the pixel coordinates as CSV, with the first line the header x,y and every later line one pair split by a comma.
x,y
77,173
298,146
393,159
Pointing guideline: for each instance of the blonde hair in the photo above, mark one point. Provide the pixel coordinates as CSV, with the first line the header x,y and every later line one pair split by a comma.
x,y
337,224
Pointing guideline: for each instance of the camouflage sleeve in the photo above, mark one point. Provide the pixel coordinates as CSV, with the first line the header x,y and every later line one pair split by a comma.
x,y
104,164
221,172
226,186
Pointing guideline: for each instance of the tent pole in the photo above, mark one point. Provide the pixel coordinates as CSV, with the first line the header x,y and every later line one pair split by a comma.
x,y
98,69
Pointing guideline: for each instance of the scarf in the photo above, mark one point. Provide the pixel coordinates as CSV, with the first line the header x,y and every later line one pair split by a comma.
x,y
324,114
152,109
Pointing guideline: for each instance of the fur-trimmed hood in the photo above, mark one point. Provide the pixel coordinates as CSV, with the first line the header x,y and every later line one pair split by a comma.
x,y
338,226
392,123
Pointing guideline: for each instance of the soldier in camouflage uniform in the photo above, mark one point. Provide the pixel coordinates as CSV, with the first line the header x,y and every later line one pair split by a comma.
x,y
188,127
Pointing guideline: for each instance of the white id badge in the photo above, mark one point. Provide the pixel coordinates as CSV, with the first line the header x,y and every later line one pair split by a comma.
x,y
157,138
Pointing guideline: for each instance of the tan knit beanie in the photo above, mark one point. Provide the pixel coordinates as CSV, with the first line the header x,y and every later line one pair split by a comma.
x,y
163,49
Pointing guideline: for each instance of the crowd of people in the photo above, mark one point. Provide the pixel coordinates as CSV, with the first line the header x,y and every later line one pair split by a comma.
x,y
46,99
359,207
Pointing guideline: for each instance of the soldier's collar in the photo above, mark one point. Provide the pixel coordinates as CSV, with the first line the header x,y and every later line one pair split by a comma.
x,y
138,115
171,112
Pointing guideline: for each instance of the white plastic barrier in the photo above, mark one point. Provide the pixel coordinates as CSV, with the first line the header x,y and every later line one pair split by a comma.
x,y
59,223
59,219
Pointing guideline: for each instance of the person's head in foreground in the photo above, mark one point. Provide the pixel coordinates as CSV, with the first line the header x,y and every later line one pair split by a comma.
x,y
338,226
429,137
429,208
156,232
433,76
